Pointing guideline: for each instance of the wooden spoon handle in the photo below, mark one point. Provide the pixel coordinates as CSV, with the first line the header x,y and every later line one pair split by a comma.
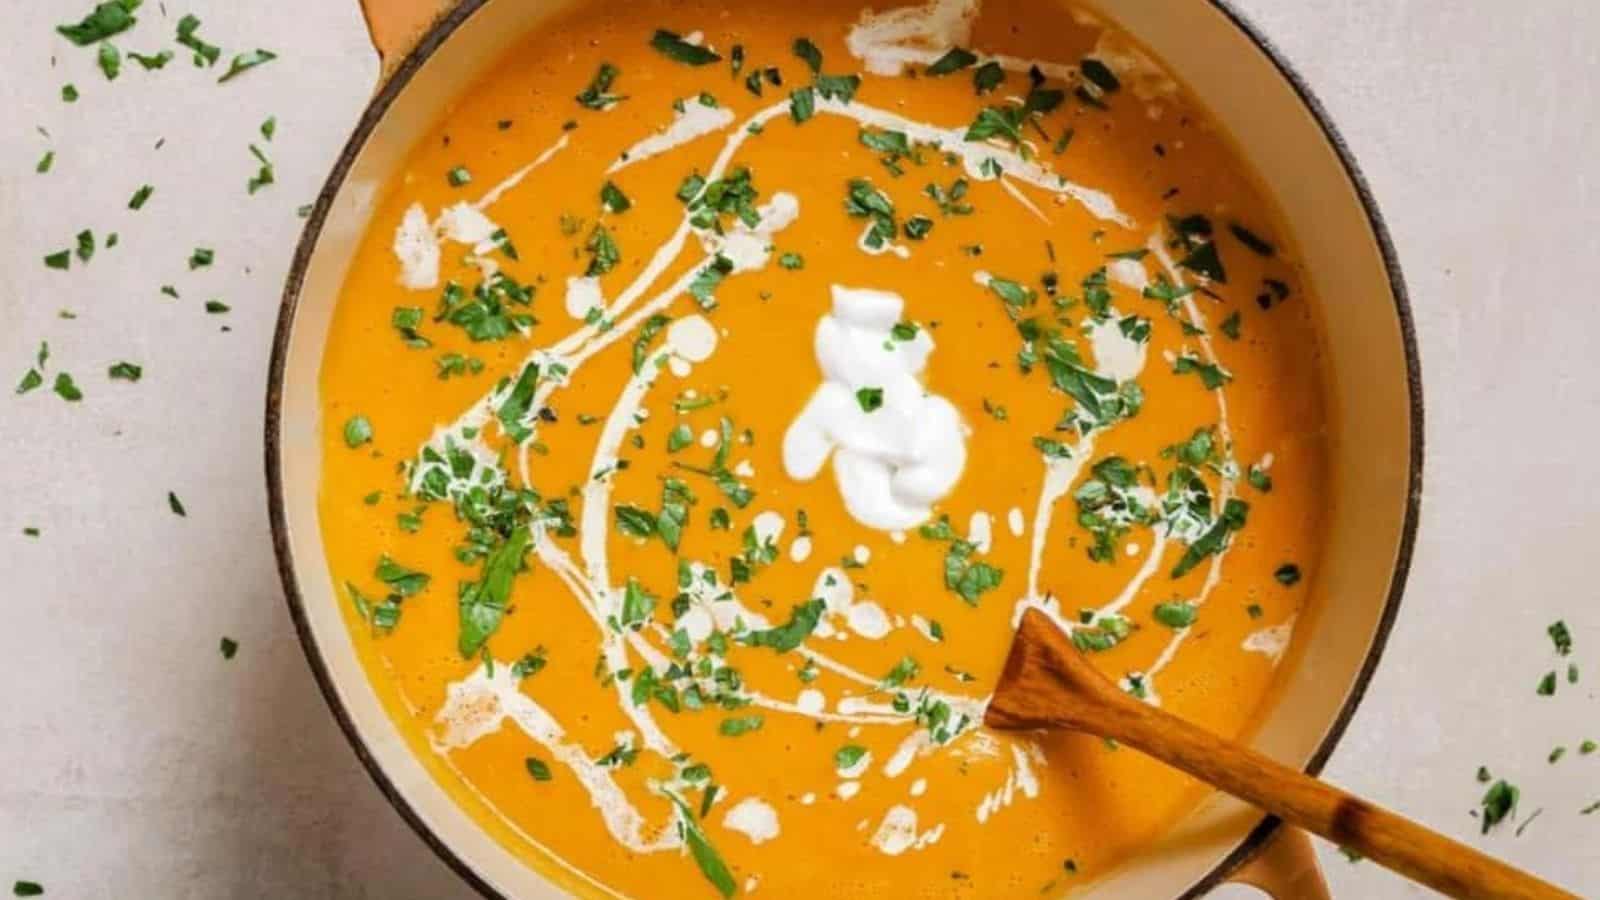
x,y
1047,683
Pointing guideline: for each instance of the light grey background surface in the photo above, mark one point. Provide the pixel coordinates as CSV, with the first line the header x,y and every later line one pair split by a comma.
x,y
135,762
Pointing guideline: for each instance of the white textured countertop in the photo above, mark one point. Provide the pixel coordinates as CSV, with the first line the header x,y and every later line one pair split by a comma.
x,y
136,762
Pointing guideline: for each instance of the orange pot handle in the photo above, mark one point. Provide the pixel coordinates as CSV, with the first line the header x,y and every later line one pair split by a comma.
x,y
397,25
1286,868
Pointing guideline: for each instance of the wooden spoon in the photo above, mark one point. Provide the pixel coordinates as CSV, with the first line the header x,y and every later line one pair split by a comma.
x,y
1047,683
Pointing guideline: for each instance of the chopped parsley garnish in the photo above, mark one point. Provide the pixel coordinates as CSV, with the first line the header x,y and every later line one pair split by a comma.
x,y
603,252
204,54
1102,634
705,855
988,77
954,60
151,62
269,128
518,404
1497,804
1100,75
970,579
1109,505
598,94
140,197
917,227
864,201
1230,326
647,333
45,162
950,201
201,257
110,60
792,261
808,52
1211,375
217,307
739,726
538,768
1215,539
802,104
1251,240
62,260
613,199
848,756
176,505
69,93
229,647
1547,685
870,399
126,371
530,664
66,389
85,245
244,62
406,320
1561,636
802,621
107,19
458,176
484,602
675,48
357,431
1176,614
1259,479
30,888
704,284
1287,574
486,314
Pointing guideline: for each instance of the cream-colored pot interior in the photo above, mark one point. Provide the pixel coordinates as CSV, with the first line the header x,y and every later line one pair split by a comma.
x,y
1372,385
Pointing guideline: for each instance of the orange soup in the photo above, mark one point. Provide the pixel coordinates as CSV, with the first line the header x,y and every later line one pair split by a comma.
x,y
717,386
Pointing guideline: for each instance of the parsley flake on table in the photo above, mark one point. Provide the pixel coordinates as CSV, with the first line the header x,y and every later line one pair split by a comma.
x,y
244,62
66,389
265,175
110,60
1561,636
151,62
176,505
1497,804
27,889
201,258
204,54
229,647
45,162
106,20
126,371
140,197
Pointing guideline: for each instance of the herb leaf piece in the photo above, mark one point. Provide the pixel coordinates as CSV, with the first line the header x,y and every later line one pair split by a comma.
x,y
107,19
674,47
246,61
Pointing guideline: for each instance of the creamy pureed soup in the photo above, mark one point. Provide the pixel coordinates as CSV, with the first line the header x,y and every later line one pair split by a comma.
x,y
718,385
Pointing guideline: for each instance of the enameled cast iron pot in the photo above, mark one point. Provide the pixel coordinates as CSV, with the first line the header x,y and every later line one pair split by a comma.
x,y
431,49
